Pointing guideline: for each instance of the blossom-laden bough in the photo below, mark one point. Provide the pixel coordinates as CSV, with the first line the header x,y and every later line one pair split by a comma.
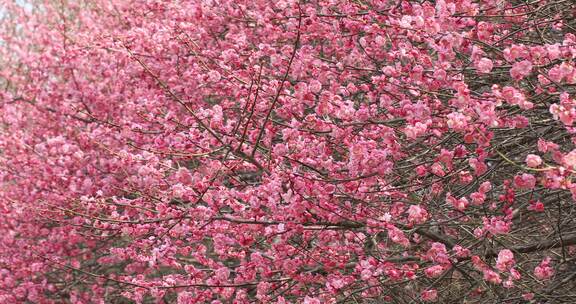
x,y
290,151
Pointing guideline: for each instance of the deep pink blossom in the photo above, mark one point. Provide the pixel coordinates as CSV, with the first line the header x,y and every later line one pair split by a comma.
x,y
525,181
484,65
544,271
417,214
533,160
457,121
242,151
460,251
537,206
434,271
521,69
492,277
429,295
505,260
570,159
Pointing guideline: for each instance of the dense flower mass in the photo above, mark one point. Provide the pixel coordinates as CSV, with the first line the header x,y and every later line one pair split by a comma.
x,y
289,151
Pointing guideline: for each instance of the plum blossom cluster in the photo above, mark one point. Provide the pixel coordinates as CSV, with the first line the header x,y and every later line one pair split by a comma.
x,y
290,151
